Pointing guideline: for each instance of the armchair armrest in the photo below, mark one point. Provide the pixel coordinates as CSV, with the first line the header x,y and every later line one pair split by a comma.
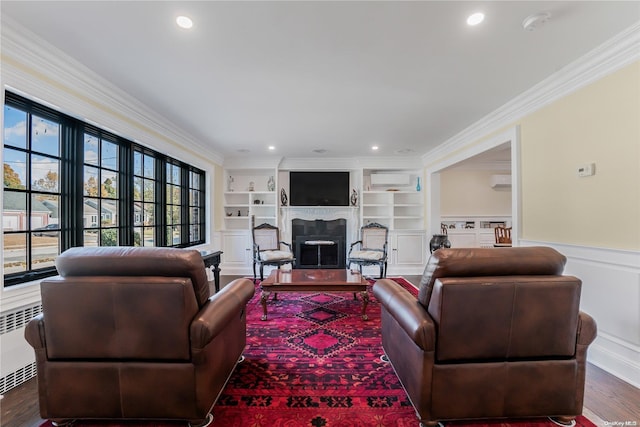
x,y
219,311
34,332
407,311
587,329
359,242
287,245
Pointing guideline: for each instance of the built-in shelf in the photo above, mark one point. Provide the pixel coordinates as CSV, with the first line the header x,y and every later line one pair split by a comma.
x,y
250,194
398,210
473,231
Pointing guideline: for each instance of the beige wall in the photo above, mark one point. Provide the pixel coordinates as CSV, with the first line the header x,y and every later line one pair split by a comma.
x,y
601,124
469,192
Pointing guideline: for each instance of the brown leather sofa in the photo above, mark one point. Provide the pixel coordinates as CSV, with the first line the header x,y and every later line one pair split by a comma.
x,y
494,333
132,333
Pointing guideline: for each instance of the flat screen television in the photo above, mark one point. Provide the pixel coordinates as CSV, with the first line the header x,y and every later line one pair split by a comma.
x,y
319,188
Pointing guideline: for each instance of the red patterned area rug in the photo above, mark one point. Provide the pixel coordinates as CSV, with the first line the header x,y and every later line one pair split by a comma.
x,y
316,363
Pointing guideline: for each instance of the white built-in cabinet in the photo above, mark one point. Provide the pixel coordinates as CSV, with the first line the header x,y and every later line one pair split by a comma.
x,y
473,231
389,197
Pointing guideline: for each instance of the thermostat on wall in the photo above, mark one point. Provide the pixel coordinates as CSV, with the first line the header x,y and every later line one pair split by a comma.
x,y
588,169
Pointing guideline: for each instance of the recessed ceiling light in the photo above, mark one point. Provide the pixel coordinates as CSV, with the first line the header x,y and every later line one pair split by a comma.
x,y
475,19
271,148
374,147
184,22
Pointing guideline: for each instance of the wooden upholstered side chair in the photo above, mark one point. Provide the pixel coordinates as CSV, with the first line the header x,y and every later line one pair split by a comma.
x,y
371,249
269,250
503,236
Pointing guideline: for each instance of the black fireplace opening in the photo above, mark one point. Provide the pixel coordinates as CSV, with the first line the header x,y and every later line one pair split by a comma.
x,y
319,243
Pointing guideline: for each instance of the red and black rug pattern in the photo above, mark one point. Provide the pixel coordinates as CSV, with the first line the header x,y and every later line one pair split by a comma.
x,y
315,362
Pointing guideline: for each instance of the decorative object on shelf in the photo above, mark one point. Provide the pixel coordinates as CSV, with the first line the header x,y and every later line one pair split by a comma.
x,y
271,184
229,182
418,185
229,213
439,241
239,214
354,198
284,200
257,202
250,186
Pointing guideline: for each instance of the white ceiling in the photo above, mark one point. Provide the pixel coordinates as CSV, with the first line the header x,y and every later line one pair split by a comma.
x,y
338,76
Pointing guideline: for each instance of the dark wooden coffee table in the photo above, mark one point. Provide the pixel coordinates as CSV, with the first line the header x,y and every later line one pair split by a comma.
x,y
300,280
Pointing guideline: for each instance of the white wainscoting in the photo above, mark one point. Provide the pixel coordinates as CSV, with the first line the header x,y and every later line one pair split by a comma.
x,y
611,295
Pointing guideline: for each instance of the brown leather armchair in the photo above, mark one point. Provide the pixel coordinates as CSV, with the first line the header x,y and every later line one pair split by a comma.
x,y
131,333
494,333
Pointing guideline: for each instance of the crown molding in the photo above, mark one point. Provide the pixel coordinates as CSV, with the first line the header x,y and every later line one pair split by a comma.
x,y
496,165
38,70
616,53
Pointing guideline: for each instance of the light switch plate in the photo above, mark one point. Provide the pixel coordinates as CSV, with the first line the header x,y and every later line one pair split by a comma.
x,y
587,169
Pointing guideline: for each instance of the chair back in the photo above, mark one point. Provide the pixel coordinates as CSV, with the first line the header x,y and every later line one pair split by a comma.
x,y
123,303
501,303
266,237
503,235
374,237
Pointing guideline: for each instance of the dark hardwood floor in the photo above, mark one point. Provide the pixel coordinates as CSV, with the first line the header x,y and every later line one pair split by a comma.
x,y
607,399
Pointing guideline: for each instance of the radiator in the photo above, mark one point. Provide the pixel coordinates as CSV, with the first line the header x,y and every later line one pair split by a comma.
x,y
18,359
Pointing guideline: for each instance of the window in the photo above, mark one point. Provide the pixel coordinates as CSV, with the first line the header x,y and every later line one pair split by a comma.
x,y
145,183
67,183
175,218
31,191
196,204
101,171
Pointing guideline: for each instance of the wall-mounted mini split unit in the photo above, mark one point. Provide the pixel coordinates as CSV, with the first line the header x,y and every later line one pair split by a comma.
x,y
500,182
390,179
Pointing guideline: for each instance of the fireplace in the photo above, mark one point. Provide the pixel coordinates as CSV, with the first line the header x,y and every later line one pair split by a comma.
x,y
319,243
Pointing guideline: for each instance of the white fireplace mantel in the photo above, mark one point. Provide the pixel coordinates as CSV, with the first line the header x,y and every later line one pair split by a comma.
x,y
327,213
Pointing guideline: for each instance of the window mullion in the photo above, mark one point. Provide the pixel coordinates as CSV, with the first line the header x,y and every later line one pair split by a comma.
x,y
185,221
161,191
125,191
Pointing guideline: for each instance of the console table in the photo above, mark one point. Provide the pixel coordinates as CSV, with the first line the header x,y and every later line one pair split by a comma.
x,y
212,260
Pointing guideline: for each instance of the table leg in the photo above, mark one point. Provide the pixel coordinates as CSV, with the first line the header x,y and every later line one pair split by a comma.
x,y
365,302
216,276
264,296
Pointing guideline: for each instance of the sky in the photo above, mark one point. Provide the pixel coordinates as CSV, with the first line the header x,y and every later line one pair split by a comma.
x,y
45,139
